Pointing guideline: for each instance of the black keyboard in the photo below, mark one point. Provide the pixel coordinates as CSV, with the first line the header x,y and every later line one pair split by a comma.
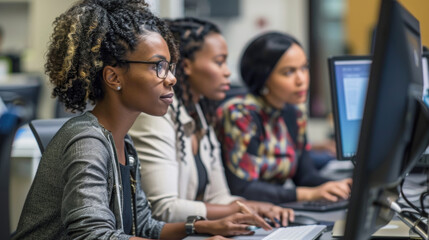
x,y
317,206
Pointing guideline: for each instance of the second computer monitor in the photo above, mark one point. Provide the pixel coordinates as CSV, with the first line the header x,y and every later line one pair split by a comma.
x,y
349,80
425,67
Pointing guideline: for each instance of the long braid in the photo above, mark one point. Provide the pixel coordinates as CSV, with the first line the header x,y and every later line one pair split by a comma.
x,y
190,34
110,29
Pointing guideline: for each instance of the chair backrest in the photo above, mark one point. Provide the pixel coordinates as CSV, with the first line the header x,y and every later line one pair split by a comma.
x,y
45,129
9,123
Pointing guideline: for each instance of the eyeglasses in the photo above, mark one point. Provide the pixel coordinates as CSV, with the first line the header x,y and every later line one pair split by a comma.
x,y
162,67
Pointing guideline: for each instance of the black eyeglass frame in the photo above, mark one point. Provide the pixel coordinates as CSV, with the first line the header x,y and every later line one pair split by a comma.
x,y
171,66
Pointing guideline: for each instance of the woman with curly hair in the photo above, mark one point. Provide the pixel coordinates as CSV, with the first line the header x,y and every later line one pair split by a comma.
x,y
179,153
121,57
264,132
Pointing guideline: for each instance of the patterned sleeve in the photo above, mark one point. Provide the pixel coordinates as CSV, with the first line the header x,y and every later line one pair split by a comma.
x,y
240,140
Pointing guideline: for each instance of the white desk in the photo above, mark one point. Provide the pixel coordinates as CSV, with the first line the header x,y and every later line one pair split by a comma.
x,y
260,233
25,158
412,187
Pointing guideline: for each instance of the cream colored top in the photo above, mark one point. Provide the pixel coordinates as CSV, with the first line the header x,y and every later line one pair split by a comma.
x,y
169,182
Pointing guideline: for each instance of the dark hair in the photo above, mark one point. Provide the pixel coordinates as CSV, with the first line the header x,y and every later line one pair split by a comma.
x,y
93,34
190,34
261,56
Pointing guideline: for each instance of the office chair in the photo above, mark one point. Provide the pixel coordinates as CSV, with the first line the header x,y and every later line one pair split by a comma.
x,y
45,129
10,121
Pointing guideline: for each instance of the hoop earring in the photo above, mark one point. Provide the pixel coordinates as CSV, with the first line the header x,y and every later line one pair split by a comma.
x,y
265,90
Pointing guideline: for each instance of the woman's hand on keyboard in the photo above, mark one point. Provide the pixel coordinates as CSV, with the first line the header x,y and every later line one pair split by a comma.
x,y
279,216
331,191
236,224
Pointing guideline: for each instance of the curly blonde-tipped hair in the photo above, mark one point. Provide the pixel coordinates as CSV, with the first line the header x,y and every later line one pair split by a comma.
x,y
93,34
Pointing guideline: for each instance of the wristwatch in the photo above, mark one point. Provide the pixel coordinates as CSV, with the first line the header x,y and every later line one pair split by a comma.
x,y
189,225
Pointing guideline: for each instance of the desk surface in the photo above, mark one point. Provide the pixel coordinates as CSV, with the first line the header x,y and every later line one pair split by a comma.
x,y
25,145
410,187
330,216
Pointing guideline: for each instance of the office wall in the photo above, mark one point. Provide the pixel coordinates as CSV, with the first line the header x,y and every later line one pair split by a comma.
x,y
42,14
14,22
362,15
258,16
28,26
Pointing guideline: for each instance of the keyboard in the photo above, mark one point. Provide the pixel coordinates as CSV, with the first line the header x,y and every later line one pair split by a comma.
x,y
317,206
308,232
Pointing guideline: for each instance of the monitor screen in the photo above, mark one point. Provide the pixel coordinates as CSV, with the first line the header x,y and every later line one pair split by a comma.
x,y
394,130
349,80
424,161
425,66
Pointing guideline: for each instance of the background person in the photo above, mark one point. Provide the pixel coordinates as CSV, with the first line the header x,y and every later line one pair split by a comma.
x,y
264,132
179,153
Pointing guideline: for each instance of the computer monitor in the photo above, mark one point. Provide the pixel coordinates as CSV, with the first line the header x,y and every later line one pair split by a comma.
x,y
394,130
349,76
24,92
424,161
349,80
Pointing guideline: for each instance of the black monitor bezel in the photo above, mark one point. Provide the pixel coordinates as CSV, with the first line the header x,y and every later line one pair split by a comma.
x,y
334,99
369,205
426,55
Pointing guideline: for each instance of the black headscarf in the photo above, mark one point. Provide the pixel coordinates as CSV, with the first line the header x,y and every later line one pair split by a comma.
x,y
261,56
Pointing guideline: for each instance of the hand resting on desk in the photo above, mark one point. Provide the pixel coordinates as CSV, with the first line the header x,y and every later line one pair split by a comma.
x,y
331,191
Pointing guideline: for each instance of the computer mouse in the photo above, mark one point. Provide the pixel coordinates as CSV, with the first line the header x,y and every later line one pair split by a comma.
x,y
303,220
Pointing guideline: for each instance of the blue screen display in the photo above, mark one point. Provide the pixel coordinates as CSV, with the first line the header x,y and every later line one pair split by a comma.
x,y
351,78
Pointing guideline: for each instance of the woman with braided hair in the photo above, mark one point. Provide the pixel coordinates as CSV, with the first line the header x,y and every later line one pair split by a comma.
x,y
121,57
179,153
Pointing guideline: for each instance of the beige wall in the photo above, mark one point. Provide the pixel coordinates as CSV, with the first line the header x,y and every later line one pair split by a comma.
x,y
42,15
362,15
279,15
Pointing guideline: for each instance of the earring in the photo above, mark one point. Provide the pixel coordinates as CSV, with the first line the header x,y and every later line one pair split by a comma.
x,y
118,88
265,90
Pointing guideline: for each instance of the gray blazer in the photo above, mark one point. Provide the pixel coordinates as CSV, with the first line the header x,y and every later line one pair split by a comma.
x,y
77,194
